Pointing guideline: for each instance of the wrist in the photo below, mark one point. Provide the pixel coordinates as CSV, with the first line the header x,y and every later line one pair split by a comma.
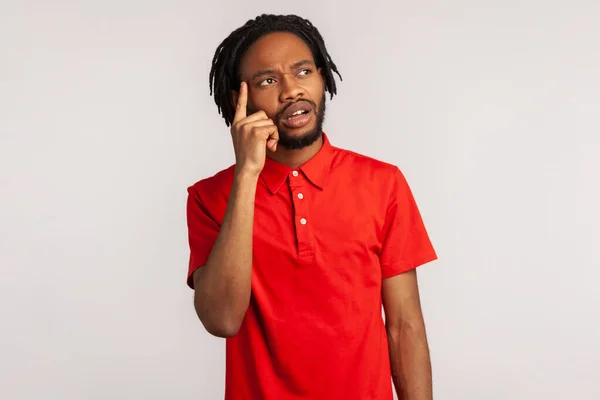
x,y
243,175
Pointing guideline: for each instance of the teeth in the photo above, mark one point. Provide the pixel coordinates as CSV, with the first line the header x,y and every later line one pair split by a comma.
x,y
299,112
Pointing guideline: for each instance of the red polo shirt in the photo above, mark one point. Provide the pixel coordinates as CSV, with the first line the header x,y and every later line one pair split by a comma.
x,y
325,235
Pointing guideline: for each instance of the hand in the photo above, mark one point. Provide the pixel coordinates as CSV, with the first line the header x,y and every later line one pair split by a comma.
x,y
252,135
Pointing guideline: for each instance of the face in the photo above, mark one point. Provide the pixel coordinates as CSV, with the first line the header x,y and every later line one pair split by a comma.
x,y
284,82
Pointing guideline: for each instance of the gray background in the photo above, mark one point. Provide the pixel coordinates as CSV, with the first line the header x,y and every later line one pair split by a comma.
x,y
491,109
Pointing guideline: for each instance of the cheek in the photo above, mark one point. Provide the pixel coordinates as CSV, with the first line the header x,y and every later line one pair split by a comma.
x,y
264,101
316,89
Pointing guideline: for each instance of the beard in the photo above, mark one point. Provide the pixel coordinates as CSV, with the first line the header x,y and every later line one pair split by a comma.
x,y
291,142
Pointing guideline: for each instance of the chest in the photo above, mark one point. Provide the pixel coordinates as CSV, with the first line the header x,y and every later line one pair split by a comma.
x,y
332,233
317,250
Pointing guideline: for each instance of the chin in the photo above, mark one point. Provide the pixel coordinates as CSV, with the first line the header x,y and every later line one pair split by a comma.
x,y
298,133
299,139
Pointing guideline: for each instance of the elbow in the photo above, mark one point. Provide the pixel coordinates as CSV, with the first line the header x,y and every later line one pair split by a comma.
x,y
218,322
221,329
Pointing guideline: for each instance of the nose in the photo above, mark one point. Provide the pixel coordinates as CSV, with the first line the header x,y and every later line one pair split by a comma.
x,y
290,90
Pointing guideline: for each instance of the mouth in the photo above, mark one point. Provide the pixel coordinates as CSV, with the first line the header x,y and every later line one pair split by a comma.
x,y
298,120
297,115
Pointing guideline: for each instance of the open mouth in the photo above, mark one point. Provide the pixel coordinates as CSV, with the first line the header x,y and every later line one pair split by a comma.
x,y
297,115
298,119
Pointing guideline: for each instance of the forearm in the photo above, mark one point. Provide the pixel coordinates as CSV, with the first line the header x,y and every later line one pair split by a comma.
x,y
223,285
410,362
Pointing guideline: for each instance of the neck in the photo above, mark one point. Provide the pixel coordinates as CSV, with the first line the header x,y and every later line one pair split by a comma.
x,y
295,158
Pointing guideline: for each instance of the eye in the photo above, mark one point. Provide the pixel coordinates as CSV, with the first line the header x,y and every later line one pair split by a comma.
x,y
266,82
305,72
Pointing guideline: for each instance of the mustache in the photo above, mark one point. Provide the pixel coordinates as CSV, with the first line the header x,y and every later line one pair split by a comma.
x,y
312,104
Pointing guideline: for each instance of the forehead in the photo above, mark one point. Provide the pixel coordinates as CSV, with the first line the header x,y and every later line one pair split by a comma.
x,y
279,49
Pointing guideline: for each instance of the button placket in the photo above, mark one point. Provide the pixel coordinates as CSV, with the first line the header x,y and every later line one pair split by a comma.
x,y
298,186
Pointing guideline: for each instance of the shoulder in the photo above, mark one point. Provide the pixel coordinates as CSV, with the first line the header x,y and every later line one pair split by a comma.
x,y
366,169
213,188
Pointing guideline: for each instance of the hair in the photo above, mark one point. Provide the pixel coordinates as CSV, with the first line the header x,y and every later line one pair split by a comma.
x,y
224,74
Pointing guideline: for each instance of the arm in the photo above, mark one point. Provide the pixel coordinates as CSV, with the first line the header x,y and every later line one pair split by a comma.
x,y
222,285
408,348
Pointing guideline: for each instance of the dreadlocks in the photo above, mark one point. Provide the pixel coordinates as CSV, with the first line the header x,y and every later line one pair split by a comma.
x,y
224,74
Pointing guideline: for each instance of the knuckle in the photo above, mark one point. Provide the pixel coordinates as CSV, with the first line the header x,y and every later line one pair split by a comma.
x,y
246,128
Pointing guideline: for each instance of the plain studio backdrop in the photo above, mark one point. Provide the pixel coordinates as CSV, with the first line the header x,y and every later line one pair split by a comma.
x,y
491,109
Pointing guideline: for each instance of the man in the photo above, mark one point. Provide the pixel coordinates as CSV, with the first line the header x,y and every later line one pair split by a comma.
x,y
295,248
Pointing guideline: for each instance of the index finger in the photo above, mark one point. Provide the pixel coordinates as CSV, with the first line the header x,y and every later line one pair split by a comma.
x,y
242,102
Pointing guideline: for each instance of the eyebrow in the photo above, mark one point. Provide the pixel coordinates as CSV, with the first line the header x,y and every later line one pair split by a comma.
x,y
271,71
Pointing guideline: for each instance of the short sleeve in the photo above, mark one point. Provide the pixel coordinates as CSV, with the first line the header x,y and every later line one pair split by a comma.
x,y
406,243
203,230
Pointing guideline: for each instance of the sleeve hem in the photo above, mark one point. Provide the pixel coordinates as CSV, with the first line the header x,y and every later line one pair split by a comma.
x,y
194,266
190,280
391,270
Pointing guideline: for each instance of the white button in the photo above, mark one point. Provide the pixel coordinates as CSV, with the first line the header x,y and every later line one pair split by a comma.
x,y
300,196
295,173
303,221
